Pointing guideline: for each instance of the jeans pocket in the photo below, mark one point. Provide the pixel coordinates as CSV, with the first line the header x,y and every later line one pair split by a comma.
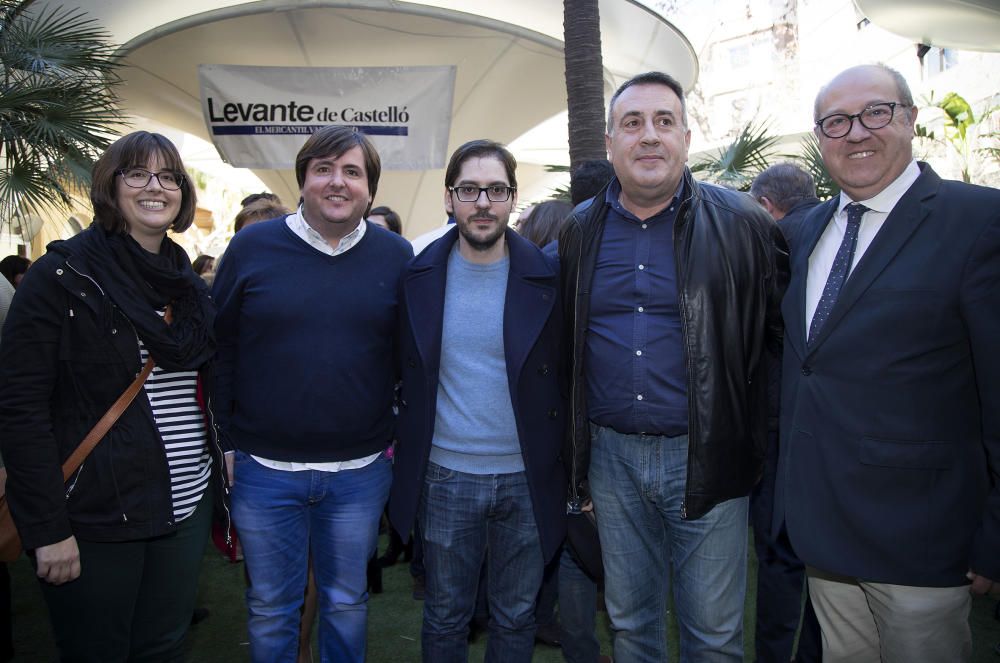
x,y
437,474
597,434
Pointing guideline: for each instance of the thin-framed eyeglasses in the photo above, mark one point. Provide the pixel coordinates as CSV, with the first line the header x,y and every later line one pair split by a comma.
x,y
495,193
138,178
873,117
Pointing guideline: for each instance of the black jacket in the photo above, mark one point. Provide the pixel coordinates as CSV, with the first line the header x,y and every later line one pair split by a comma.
x,y
731,270
67,354
792,223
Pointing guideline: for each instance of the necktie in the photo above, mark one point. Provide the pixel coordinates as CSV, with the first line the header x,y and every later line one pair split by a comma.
x,y
839,271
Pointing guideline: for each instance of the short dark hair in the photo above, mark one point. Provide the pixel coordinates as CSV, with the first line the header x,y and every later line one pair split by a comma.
x,y
201,264
333,141
391,218
480,148
12,266
784,184
136,150
650,78
543,223
588,178
261,209
263,195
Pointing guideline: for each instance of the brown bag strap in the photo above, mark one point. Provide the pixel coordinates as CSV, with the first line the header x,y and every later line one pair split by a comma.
x,y
105,423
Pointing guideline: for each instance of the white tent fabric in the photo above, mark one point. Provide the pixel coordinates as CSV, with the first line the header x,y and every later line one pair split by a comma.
x,y
508,54
972,25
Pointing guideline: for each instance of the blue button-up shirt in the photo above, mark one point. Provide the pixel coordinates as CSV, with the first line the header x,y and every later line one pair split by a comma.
x,y
636,377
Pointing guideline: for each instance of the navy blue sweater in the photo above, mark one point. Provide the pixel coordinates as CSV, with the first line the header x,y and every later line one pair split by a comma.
x,y
306,344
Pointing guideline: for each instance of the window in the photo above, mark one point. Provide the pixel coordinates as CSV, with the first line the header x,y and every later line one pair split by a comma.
x,y
937,60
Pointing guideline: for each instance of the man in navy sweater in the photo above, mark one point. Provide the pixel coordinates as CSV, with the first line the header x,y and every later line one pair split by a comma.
x,y
481,418
307,311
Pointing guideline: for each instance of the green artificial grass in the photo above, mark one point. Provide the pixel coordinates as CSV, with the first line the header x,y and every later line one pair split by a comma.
x,y
393,624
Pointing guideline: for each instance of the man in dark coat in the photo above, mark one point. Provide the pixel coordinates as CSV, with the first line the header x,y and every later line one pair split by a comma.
x,y
481,413
890,447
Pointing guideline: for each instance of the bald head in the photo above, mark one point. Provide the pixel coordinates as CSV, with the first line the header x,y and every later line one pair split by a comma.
x,y
902,88
865,160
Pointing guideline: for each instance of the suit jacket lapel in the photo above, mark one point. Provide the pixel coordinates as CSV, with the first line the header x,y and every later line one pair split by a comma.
x,y
531,294
423,290
911,211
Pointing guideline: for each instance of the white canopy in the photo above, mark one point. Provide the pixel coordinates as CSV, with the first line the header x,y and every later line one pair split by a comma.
x,y
962,24
508,53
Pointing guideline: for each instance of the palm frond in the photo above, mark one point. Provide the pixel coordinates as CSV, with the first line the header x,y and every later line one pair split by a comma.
x,y
58,105
812,162
736,164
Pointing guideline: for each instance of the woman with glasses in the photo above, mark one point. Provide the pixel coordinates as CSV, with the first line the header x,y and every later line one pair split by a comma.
x,y
117,547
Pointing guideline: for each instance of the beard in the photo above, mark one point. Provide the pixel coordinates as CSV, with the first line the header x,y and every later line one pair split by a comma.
x,y
481,242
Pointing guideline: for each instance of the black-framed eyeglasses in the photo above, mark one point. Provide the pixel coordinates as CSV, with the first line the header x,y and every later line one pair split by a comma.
x,y
495,193
875,116
138,178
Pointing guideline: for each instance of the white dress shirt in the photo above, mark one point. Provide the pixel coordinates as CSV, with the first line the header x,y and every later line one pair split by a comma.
x,y
822,257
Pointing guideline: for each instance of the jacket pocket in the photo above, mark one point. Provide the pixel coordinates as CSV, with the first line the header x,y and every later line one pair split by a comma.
x,y
907,454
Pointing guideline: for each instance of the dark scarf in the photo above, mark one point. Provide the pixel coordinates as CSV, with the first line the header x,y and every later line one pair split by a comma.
x,y
140,283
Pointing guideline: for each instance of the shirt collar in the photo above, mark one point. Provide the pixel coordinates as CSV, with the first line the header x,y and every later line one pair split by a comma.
x,y
612,198
298,225
887,198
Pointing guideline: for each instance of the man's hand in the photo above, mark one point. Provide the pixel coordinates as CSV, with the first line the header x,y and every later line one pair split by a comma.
x,y
982,584
58,563
230,467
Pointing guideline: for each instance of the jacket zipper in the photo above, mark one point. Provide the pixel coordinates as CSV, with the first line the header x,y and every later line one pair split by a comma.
x,y
76,477
110,440
574,505
114,477
222,470
79,273
682,306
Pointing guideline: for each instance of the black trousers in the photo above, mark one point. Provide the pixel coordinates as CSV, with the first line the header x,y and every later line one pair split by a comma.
x,y
780,581
133,599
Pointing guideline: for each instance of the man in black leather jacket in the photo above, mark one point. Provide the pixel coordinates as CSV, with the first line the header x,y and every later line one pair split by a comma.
x,y
672,288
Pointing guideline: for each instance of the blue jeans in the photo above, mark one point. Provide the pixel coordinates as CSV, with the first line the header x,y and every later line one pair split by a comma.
x,y
461,517
638,485
281,517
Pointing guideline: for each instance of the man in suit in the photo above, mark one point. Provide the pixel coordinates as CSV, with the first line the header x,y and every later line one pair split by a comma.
x,y
787,193
891,384
481,413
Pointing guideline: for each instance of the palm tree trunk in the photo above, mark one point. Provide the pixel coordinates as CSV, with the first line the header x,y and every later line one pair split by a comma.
x,y
584,80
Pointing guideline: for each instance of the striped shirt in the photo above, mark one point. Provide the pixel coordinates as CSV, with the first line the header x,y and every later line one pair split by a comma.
x,y
179,419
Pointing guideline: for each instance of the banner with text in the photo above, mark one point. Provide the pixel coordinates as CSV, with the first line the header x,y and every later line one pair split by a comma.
x,y
259,117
